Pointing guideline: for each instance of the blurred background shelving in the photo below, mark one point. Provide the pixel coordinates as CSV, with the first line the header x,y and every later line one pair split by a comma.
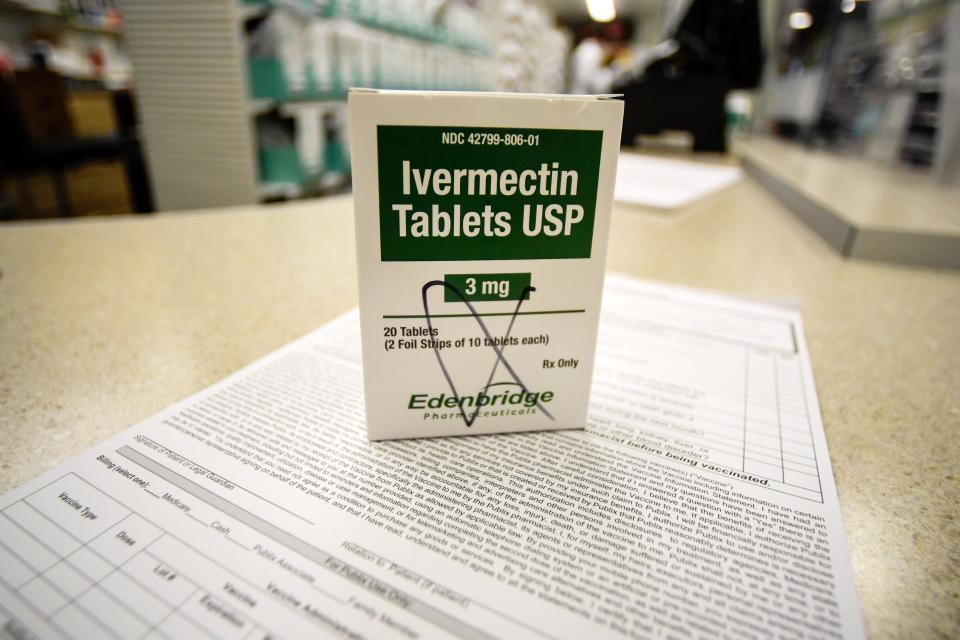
x,y
878,79
303,56
246,101
67,114
227,102
82,40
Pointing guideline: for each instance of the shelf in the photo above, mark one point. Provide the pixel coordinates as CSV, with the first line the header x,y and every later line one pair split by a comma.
x,y
860,208
69,23
927,118
259,106
329,182
25,7
919,144
289,107
248,11
279,190
92,28
445,38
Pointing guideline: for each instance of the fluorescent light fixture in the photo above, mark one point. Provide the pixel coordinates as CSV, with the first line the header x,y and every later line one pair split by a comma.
x,y
847,6
601,10
800,20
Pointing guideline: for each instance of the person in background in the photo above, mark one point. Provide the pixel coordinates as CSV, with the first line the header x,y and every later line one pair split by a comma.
x,y
589,70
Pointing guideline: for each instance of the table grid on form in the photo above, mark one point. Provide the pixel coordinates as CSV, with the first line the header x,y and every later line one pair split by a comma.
x,y
711,398
82,580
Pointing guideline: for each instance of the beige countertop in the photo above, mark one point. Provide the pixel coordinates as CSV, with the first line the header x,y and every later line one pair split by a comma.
x,y
103,322
865,193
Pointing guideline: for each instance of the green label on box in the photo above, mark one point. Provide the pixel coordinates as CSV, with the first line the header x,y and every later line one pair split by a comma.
x,y
485,287
476,193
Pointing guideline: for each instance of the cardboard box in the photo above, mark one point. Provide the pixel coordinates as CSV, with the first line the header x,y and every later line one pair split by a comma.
x,y
93,113
38,104
93,189
482,223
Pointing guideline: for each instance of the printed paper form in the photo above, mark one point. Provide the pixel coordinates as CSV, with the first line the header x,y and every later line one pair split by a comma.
x,y
668,184
699,502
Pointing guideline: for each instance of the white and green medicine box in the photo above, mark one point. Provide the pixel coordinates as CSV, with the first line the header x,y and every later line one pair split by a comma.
x,y
482,223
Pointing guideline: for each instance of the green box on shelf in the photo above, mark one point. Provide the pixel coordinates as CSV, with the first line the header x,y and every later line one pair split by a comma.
x,y
281,163
313,88
268,80
328,10
335,158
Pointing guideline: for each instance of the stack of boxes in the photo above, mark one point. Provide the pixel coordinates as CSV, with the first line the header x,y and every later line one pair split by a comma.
x,y
303,55
531,52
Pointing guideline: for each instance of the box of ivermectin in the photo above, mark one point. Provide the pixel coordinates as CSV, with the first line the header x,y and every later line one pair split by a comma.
x,y
482,223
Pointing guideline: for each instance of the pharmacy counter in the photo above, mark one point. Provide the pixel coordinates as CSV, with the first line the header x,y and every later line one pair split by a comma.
x,y
862,208
103,322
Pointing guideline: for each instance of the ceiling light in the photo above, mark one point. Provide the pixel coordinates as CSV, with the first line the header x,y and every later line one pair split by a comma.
x,y
601,10
800,20
847,6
